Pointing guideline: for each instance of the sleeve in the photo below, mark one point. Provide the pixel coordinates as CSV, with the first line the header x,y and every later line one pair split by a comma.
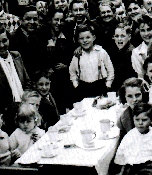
x,y
109,67
13,141
137,63
73,69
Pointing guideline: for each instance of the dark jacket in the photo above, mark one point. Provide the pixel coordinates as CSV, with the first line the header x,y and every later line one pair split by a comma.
x,y
49,112
5,90
32,48
125,122
122,64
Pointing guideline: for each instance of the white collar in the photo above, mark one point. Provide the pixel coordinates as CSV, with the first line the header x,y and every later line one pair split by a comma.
x,y
143,48
61,35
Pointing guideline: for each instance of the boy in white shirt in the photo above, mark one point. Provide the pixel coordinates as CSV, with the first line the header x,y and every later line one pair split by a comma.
x,y
91,70
135,150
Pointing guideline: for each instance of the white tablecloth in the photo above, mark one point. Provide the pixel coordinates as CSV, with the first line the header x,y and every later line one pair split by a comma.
x,y
98,158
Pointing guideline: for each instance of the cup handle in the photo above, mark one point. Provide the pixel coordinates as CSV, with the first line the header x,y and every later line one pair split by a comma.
x,y
94,135
111,124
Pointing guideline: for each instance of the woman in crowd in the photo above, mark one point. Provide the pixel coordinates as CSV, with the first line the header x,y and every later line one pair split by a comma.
x,y
132,91
140,53
59,58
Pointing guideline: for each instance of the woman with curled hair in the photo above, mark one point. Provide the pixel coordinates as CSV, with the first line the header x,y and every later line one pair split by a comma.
x,y
133,91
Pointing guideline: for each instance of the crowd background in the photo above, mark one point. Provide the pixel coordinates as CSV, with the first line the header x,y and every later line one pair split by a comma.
x,y
54,53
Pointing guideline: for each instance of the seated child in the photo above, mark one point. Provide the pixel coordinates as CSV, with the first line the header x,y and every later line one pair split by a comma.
x,y
91,71
135,150
5,154
47,109
27,132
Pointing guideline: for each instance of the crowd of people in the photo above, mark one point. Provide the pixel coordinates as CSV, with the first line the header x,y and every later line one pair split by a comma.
x,y
54,53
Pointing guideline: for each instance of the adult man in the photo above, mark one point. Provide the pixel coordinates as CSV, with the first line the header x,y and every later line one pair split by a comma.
x,y
13,76
29,42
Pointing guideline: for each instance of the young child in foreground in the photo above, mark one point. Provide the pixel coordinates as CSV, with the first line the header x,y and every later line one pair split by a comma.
x,y
5,154
27,132
135,150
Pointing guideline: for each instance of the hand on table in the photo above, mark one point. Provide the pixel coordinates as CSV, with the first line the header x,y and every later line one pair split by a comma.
x,y
16,153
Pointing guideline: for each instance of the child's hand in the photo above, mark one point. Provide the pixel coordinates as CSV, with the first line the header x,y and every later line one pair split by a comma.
x,y
35,137
16,153
60,66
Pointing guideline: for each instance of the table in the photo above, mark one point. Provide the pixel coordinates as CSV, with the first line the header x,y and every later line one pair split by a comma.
x,y
76,156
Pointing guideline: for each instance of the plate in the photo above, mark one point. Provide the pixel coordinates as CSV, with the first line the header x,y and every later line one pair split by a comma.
x,y
49,155
98,144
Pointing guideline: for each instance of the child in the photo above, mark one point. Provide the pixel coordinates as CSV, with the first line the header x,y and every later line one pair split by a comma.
x,y
135,150
121,57
27,132
47,108
5,154
91,71
140,53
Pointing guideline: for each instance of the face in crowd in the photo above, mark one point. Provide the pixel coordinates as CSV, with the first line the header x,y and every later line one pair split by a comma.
x,y
30,21
106,13
86,40
120,12
149,71
79,12
43,86
121,38
58,21
116,3
4,45
145,32
133,95
41,7
142,123
148,5
134,11
61,4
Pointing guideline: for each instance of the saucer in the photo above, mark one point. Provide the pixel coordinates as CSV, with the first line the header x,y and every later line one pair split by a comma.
x,y
98,144
75,113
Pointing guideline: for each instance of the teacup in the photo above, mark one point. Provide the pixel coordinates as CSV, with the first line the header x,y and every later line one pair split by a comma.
x,y
53,135
104,127
47,149
78,107
112,96
88,136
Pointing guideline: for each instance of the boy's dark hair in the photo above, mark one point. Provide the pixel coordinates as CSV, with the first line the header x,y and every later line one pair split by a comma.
x,y
84,28
143,108
127,3
145,20
125,27
133,82
77,1
39,74
28,9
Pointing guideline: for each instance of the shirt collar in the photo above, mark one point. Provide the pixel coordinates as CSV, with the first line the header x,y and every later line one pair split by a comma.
x,y
95,48
143,48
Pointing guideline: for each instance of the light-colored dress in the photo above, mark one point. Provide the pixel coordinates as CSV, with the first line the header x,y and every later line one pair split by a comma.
x,y
135,148
19,139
